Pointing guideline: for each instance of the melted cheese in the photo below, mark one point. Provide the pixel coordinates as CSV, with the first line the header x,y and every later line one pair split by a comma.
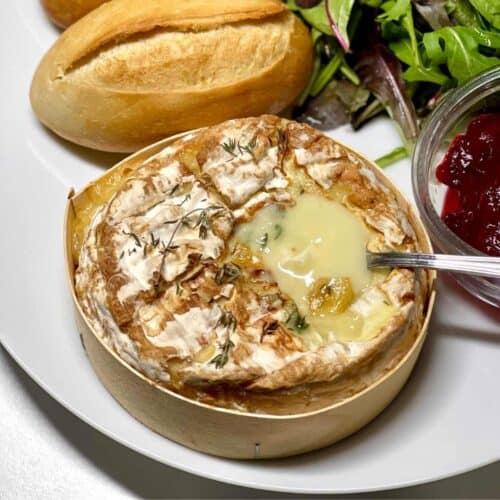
x,y
315,239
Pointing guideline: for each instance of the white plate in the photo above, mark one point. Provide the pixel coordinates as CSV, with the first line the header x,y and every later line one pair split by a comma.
x,y
444,422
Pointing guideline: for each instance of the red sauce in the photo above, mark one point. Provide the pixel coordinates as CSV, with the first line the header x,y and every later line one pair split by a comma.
x,y
471,170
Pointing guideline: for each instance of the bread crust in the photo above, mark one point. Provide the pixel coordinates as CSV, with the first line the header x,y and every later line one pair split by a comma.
x,y
65,12
118,112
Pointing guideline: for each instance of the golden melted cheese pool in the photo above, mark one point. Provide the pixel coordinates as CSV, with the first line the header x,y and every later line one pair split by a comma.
x,y
232,265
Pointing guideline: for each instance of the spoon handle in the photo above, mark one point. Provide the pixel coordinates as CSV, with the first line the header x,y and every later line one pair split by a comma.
x,y
466,264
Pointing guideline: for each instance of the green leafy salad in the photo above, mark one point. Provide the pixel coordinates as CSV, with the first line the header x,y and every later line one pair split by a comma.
x,y
394,56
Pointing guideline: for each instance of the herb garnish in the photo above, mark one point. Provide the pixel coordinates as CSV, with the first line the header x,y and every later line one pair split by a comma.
x,y
122,254
227,273
174,189
136,238
262,241
296,320
278,229
154,241
186,198
229,146
228,321
248,148
221,359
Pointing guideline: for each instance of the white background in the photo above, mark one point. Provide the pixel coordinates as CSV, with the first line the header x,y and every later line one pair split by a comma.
x,y
47,453
446,419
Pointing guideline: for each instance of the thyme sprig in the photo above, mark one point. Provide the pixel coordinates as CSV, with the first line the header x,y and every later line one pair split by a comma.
x,y
202,222
229,146
135,237
248,148
228,321
223,357
232,147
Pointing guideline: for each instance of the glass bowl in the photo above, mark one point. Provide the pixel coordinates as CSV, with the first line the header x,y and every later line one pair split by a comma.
x,y
451,117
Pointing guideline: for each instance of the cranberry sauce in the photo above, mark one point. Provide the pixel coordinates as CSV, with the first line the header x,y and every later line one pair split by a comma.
x,y
471,170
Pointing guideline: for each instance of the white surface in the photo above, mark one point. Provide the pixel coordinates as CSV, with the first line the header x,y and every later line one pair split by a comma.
x,y
49,454
444,422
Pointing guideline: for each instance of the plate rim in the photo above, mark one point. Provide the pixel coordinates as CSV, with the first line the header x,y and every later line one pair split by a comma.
x,y
227,480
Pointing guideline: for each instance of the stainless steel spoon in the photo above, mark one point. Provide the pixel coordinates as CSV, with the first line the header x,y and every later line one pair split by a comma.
x,y
465,264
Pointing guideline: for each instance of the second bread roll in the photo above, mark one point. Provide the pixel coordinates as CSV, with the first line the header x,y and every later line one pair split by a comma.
x,y
132,72
66,12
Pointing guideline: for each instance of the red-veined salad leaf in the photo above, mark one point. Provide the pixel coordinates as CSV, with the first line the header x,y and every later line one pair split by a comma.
x,y
380,72
434,12
335,106
339,12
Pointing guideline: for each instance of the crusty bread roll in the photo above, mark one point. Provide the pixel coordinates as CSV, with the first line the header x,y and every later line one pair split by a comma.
x,y
132,71
66,12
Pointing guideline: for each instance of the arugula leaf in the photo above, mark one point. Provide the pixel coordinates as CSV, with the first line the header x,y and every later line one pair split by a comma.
x,y
406,47
463,13
339,12
489,9
416,72
458,48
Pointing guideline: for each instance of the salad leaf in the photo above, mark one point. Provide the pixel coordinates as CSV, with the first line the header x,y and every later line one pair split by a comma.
x,y
326,74
458,48
380,72
416,72
315,16
338,12
406,48
395,155
489,9
434,12
463,13
335,105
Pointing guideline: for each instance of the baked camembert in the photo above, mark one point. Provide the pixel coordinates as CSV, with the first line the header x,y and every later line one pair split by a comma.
x,y
231,268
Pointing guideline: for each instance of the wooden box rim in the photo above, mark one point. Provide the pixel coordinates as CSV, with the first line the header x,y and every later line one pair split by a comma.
x,y
135,160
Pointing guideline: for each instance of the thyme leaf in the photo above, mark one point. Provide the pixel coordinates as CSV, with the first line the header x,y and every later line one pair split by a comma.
x,y
221,359
186,198
174,189
248,148
136,238
296,321
229,146
226,320
262,241
227,273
